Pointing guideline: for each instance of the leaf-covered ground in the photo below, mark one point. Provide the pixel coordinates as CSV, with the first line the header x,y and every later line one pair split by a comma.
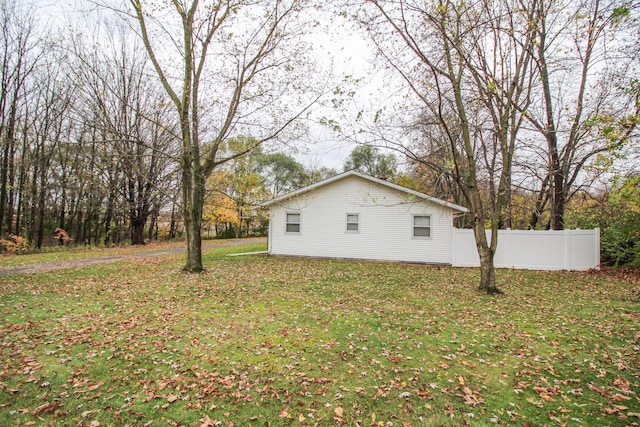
x,y
266,341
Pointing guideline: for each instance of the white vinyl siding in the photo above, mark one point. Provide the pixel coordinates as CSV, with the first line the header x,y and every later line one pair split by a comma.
x,y
353,223
293,223
421,226
388,234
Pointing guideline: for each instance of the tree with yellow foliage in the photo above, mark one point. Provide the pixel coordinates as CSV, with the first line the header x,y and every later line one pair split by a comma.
x,y
235,192
220,210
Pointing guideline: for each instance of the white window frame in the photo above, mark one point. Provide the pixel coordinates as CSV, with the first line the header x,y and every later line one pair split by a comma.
x,y
287,222
347,223
413,226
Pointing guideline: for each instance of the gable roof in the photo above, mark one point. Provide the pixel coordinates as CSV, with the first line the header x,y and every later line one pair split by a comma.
x,y
370,178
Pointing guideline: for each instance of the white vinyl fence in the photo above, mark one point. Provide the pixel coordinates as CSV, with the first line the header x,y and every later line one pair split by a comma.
x,y
533,249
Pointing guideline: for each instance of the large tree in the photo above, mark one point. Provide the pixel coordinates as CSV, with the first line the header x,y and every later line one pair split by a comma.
x,y
281,173
466,66
368,159
237,62
583,80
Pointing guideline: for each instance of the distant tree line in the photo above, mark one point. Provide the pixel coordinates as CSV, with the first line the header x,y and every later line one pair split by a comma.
x,y
90,146
86,145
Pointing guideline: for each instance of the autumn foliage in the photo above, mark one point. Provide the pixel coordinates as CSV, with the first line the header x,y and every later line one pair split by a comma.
x,y
232,204
62,236
14,244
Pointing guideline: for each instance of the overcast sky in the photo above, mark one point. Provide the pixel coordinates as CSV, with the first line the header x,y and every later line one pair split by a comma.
x,y
349,53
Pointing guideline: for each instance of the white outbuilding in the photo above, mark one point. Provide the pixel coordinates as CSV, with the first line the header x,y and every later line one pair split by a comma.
x,y
357,216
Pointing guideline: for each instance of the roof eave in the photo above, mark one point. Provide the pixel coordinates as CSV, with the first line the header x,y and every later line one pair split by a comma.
x,y
383,182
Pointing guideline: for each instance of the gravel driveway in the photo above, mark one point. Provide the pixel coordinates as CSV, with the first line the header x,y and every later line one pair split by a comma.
x,y
76,263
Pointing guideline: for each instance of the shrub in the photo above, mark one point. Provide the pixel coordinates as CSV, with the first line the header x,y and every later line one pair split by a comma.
x,y
618,216
62,236
14,244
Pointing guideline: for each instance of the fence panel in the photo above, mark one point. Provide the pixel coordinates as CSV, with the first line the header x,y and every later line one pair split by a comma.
x,y
533,249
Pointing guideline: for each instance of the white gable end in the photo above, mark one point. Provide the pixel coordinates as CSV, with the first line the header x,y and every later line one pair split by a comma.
x,y
381,218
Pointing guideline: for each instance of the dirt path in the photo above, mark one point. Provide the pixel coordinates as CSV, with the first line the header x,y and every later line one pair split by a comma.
x,y
76,263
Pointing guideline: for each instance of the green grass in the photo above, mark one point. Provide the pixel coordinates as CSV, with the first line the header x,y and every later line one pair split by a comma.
x,y
299,342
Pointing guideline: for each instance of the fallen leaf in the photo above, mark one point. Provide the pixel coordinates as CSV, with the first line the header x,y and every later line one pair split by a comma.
x,y
207,422
45,408
284,413
615,409
620,398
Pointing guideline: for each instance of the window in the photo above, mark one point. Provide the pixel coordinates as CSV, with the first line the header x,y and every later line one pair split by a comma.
x,y
421,226
293,223
352,223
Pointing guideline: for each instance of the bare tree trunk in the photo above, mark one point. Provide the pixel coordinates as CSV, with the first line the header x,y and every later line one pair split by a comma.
x,y
42,195
193,191
3,187
7,133
20,228
153,223
137,232
173,223
33,193
486,249
63,200
487,273
11,194
79,222
108,218
555,170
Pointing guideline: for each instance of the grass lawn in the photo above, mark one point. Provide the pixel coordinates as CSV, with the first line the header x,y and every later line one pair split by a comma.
x,y
266,341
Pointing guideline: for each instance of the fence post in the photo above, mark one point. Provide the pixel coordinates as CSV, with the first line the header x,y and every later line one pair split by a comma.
x,y
507,235
453,246
567,249
597,248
